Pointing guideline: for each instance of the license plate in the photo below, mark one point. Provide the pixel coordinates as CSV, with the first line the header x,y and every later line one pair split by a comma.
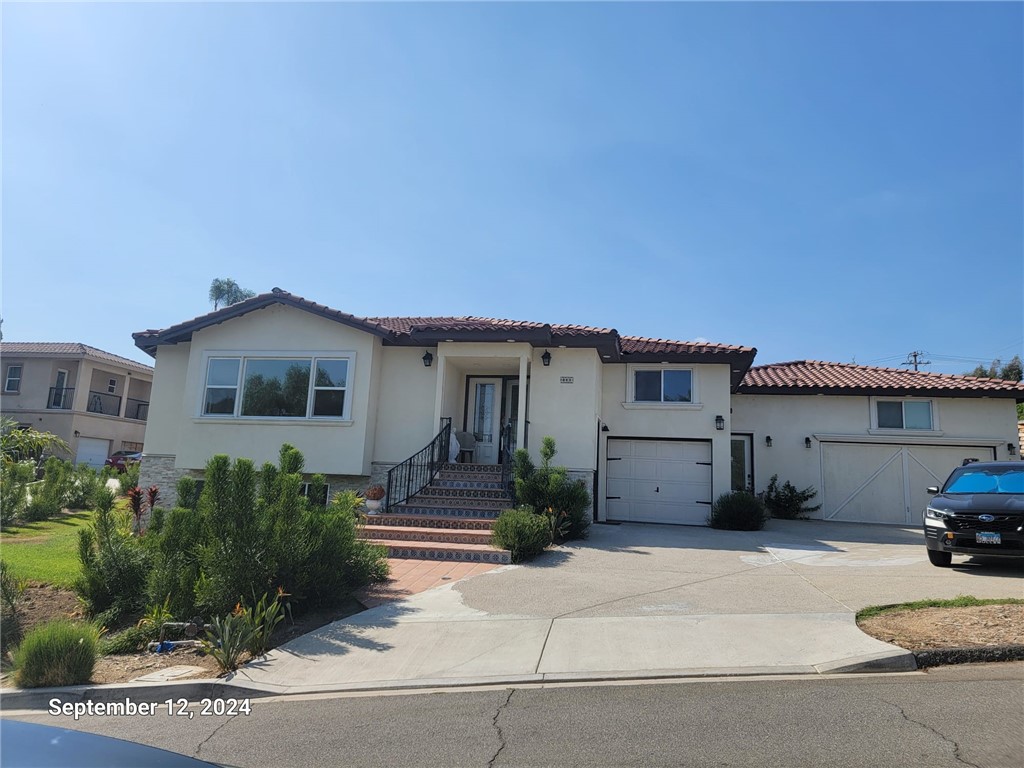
x,y
988,538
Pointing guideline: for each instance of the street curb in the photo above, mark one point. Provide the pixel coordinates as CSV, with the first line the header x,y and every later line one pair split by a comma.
x,y
942,656
239,688
193,690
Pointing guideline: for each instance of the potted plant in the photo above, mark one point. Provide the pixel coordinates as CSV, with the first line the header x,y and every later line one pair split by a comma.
x,y
373,496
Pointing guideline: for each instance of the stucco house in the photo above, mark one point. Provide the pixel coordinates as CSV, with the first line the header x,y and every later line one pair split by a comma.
x,y
657,428
96,401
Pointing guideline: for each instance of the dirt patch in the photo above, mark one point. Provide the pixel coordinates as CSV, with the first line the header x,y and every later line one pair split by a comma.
x,y
933,628
123,667
42,603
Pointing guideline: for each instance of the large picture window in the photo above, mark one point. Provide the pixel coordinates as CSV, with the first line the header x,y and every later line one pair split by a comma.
x,y
276,387
904,414
663,386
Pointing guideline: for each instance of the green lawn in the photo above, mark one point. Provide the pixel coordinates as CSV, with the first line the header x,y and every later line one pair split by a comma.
x,y
46,551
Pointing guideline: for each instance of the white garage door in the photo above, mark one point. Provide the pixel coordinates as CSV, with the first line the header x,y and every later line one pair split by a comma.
x,y
92,451
875,483
659,481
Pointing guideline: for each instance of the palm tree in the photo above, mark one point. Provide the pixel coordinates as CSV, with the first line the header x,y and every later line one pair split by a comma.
x,y
226,291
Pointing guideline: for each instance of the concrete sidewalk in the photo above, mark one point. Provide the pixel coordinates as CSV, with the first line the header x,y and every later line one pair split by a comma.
x,y
640,601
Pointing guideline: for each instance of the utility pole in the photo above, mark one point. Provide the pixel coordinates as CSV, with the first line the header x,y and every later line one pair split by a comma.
x,y
912,359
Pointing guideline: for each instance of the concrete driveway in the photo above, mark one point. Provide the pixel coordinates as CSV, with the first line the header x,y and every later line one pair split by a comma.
x,y
643,601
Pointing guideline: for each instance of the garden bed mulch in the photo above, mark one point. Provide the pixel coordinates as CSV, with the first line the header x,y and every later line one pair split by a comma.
x,y
953,635
42,603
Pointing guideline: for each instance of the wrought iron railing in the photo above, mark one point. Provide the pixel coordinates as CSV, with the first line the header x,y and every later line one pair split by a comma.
x,y
506,447
60,398
136,409
415,473
105,403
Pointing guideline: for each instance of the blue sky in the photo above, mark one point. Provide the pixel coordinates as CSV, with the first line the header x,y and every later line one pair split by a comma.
x,y
826,181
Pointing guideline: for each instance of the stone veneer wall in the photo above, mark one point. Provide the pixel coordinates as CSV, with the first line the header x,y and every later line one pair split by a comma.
x,y
161,472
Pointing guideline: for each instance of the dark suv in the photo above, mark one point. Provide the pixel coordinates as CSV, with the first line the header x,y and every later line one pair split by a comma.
x,y
979,511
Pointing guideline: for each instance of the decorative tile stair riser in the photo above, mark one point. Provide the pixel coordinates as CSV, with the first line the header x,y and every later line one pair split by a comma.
x,y
449,520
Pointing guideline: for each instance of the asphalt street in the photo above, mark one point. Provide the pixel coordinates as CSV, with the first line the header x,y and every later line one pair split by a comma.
x,y
952,716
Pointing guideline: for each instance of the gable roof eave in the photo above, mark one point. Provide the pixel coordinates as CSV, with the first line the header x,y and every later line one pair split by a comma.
x,y
149,340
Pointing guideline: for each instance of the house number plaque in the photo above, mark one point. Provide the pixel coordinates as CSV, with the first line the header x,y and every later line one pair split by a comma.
x,y
565,379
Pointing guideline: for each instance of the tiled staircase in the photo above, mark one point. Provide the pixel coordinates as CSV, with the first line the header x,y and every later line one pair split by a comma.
x,y
450,519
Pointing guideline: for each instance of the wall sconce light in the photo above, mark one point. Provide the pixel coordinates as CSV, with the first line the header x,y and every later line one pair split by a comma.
x,y
719,422
1011,448
768,441
77,433
807,442
427,359
604,428
546,358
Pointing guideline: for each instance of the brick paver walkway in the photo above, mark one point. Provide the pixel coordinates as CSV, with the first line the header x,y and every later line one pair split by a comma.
x,y
409,577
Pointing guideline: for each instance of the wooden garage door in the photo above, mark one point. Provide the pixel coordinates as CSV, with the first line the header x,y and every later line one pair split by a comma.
x,y
883,483
659,481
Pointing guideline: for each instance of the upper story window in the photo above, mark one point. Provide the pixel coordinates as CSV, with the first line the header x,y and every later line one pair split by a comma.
x,y
111,386
672,385
905,414
277,387
13,381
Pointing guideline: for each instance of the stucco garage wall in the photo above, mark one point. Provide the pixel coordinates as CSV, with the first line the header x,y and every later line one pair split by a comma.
x,y
331,447
566,412
405,404
626,420
789,419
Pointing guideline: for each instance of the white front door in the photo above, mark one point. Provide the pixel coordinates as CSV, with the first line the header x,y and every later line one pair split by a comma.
x,y
659,481
485,418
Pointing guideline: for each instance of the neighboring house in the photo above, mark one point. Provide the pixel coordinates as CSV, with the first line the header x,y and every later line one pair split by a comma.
x,y
96,401
657,428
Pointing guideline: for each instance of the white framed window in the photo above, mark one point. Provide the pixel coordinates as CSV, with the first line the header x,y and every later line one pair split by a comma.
x,y
904,414
12,382
662,385
269,386
111,386
317,492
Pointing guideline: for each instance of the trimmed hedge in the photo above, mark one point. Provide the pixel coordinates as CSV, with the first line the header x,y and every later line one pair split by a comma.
x,y
738,511
522,532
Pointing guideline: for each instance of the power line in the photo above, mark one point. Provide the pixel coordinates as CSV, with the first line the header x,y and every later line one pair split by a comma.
x,y
912,359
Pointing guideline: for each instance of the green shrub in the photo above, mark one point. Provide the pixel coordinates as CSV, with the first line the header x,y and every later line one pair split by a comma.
x,y
14,479
83,486
228,639
549,490
115,566
738,511
787,503
522,532
130,477
176,545
103,499
338,562
188,492
12,590
57,653
137,638
51,496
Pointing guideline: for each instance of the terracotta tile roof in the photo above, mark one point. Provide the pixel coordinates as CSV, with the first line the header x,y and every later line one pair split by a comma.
x,y
817,376
430,330
645,345
67,349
